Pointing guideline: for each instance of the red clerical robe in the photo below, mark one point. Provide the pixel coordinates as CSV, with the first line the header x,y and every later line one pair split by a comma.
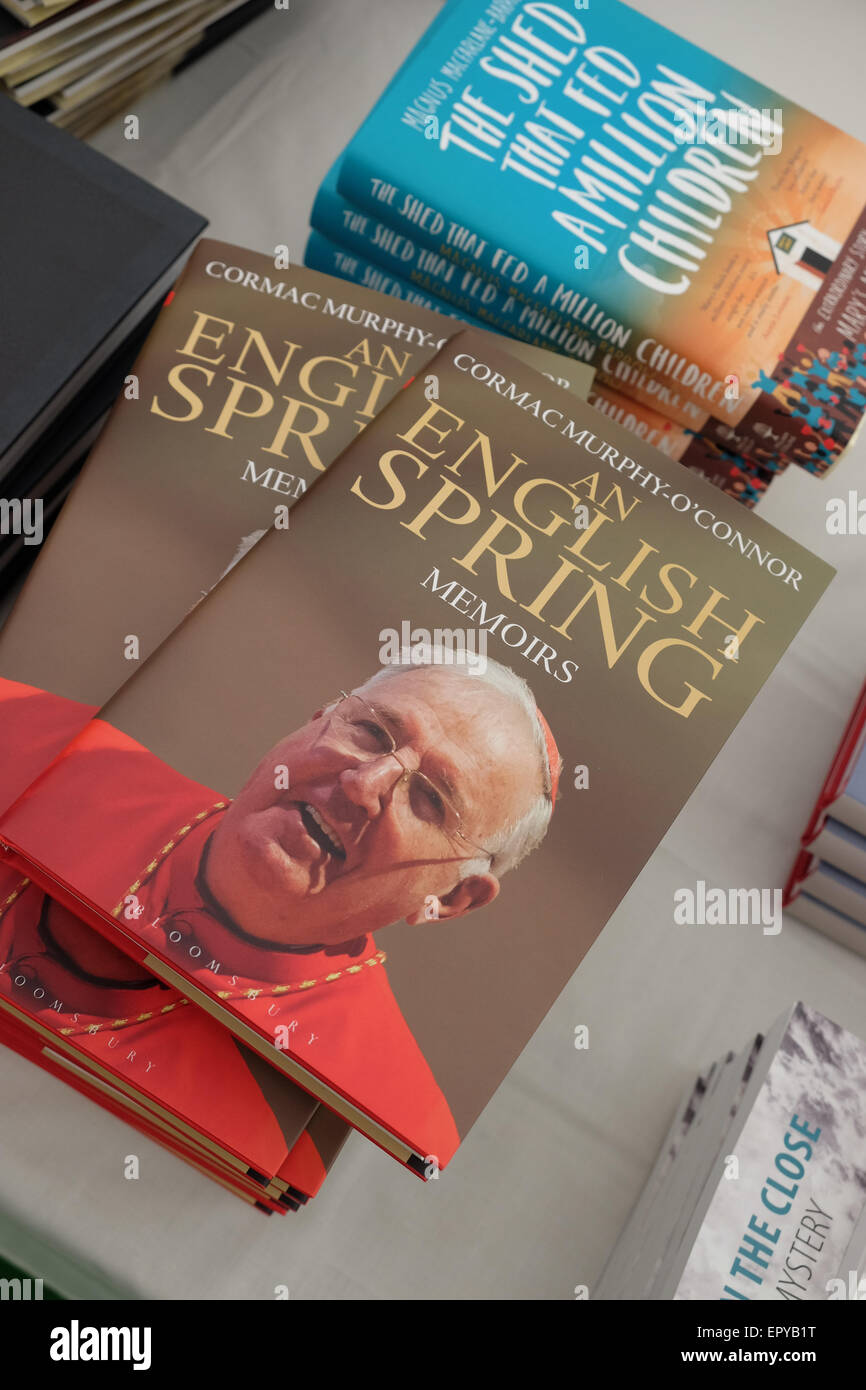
x,y
127,831
34,727
150,1038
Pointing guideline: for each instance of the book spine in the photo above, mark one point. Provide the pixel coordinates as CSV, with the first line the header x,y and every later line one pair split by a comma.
x,y
565,316
325,255
477,302
651,426
337,220
477,298
735,478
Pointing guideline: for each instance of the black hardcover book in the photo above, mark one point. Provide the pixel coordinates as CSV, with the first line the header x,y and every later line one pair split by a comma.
x,y
50,467
86,251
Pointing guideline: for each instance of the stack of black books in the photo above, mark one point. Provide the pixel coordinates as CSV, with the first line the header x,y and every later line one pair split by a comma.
x,y
89,253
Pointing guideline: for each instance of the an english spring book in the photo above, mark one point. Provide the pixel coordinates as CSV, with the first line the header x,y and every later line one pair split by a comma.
x,y
300,1177
501,629
249,385
252,381
600,167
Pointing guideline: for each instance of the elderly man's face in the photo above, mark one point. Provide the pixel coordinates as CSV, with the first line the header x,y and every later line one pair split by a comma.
x,y
348,847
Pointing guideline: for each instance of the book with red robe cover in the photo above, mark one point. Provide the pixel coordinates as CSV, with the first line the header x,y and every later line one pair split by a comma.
x,y
115,1103
80,993
502,632
301,1175
250,383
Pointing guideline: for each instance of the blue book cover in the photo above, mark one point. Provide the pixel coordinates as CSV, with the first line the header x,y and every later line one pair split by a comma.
x,y
600,168
328,257
346,263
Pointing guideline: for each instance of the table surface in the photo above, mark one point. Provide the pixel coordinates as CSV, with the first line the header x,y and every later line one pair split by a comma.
x,y
535,1199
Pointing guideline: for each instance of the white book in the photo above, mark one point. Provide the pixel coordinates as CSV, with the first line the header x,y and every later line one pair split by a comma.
x,y
619,1262
781,1228
689,1181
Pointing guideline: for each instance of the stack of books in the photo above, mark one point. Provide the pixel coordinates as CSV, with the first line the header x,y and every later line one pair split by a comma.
x,y
79,64
593,182
321,711
758,1190
827,884
89,253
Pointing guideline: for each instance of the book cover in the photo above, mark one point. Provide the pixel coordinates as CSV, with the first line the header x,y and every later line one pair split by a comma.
x,y
781,1230
305,816
602,168
325,256
251,382
63,316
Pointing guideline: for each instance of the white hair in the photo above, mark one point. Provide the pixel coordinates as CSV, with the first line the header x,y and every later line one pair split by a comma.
x,y
514,839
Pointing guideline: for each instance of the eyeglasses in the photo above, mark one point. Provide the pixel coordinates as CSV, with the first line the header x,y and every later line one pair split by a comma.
x,y
360,729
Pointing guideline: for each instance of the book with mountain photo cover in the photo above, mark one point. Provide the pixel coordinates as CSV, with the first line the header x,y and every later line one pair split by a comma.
x,y
251,382
500,632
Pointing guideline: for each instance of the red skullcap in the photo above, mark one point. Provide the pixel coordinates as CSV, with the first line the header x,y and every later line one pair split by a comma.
x,y
552,754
